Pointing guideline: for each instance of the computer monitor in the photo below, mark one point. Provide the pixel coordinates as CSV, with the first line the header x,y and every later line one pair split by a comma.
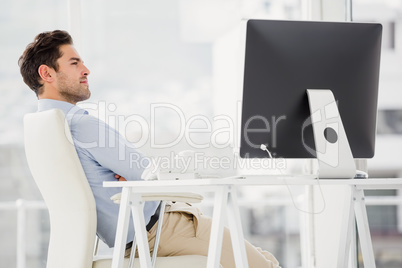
x,y
285,58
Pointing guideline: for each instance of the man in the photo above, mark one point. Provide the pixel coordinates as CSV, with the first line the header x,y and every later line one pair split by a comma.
x,y
52,68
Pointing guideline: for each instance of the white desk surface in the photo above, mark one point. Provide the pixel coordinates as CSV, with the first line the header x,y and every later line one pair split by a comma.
x,y
370,183
213,184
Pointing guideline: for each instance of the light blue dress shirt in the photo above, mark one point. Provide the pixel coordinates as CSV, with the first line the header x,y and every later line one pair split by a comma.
x,y
103,152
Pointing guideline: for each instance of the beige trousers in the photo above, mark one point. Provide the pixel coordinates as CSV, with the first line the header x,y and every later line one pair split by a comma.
x,y
185,231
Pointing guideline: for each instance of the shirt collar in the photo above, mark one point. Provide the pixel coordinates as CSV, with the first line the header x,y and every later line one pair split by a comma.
x,y
67,108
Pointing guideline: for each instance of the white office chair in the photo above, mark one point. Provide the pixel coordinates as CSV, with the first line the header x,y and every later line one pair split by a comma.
x,y
57,171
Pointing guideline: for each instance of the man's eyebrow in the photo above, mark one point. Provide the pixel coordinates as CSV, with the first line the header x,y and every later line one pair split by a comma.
x,y
75,59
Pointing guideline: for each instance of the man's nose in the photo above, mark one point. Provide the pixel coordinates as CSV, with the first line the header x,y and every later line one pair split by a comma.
x,y
86,71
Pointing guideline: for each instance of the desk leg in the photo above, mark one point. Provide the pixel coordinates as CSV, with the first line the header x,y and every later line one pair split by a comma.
x,y
358,212
137,208
236,231
363,228
122,228
215,241
346,233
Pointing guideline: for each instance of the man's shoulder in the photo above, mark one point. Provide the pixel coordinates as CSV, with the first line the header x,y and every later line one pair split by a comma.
x,y
83,119
86,123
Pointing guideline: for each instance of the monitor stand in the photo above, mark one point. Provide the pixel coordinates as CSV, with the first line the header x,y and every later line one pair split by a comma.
x,y
335,159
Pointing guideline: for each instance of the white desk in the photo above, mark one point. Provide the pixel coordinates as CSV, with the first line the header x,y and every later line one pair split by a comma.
x,y
226,202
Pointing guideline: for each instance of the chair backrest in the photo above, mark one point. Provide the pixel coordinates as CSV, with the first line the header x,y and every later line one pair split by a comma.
x,y
57,171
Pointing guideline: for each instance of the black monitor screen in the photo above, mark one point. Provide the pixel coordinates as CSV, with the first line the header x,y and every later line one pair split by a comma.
x,y
283,59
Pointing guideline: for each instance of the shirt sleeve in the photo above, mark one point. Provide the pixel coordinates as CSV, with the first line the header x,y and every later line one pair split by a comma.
x,y
108,147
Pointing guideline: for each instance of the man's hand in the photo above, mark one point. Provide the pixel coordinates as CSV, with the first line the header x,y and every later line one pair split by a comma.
x,y
119,178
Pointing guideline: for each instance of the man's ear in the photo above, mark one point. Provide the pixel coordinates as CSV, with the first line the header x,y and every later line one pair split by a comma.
x,y
45,72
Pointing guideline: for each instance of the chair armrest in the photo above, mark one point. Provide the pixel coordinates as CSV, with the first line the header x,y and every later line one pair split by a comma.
x,y
178,197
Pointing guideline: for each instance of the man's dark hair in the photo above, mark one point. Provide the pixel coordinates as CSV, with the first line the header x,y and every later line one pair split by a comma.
x,y
45,49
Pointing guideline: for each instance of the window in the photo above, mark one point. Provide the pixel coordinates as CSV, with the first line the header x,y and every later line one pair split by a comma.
x,y
385,220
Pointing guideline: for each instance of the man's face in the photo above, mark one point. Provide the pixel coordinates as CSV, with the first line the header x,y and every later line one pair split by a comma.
x,y
72,76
